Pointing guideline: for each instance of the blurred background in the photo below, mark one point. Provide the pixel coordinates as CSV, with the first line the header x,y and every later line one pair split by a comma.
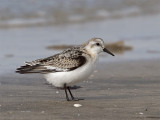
x,y
32,29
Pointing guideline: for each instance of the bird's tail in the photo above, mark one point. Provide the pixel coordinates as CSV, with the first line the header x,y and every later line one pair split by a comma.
x,y
27,69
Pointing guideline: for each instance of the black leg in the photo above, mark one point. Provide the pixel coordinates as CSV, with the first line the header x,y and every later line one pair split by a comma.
x,y
65,89
67,97
70,93
73,98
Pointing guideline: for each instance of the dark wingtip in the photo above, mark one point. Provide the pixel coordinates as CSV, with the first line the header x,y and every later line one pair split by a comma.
x,y
23,69
19,70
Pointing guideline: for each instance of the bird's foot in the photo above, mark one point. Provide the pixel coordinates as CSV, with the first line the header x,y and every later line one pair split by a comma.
x,y
77,99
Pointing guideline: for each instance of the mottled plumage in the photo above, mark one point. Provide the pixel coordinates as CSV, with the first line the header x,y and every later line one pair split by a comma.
x,y
68,60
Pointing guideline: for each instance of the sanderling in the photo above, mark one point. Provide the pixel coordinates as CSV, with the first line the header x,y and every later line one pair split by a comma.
x,y
68,67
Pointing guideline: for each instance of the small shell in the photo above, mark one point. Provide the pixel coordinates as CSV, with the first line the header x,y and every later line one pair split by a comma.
x,y
77,105
141,113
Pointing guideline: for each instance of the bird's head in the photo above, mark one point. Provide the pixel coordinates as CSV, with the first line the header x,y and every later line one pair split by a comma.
x,y
95,46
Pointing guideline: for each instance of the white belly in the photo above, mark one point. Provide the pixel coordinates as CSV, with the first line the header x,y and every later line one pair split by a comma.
x,y
58,79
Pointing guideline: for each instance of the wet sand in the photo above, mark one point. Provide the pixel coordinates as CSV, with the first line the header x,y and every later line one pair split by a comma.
x,y
116,91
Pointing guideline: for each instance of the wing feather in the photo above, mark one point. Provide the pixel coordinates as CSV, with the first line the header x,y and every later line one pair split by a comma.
x,y
68,60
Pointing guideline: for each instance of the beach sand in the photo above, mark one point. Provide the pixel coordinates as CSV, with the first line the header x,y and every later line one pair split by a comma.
x,y
116,91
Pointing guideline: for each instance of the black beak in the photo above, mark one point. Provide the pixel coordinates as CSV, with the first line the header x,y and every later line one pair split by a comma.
x,y
107,51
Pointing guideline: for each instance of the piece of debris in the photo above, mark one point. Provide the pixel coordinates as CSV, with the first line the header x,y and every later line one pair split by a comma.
x,y
59,47
118,47
77,105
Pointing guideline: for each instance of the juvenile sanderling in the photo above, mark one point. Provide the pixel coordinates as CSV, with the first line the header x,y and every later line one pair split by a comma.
x,y
69,67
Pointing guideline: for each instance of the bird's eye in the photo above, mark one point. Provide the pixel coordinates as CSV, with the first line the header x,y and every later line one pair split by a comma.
x,y
97,44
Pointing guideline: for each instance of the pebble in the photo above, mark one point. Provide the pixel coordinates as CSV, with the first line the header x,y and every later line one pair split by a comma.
x,y
57,92
26,111
141,113
43,112
91,76
77,105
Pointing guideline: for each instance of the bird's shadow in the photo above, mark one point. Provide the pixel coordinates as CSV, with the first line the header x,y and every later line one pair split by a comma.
x,y
60,88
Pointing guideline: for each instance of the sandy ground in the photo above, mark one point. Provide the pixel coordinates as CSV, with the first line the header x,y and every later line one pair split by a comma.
x,y
116,91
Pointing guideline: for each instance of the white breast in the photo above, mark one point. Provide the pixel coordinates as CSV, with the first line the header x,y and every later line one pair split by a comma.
x,y
58,79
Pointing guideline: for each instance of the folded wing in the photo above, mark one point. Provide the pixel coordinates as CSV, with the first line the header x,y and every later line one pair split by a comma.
x,y
67,61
